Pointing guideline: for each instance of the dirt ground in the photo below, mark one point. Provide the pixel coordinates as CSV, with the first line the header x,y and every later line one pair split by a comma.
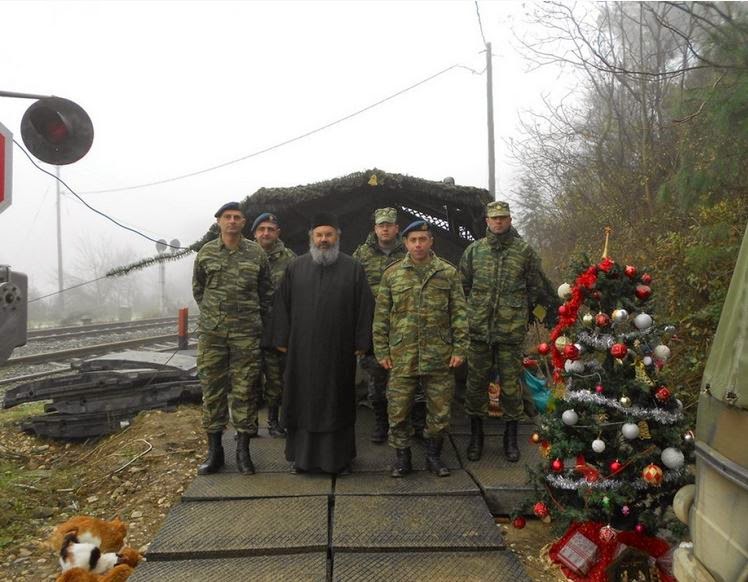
x,y
137,474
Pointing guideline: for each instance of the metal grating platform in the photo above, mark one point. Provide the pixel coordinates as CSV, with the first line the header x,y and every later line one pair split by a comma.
x,y
236,486
504,484
373,457
268,454
399,524
432,566
213,529
294,567
417,483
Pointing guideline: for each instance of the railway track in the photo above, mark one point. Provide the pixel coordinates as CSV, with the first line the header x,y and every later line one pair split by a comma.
x,y
68,332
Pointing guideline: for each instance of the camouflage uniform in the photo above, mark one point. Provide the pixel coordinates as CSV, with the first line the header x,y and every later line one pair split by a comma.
x,y
233,289
273,361
420,322
375,261
502,278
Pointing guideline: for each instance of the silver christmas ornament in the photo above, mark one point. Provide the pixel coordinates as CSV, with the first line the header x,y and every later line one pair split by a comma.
x,y
672,458
625,401
570,417
630,430
598,445
620,315
662,352
564,291
643,321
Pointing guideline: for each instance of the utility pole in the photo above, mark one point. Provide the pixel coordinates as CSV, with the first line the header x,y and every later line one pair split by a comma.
x,y
489,100
60,287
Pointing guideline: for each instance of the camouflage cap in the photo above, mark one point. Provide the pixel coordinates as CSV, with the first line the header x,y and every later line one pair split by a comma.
x,y
416,226
385,215
497,208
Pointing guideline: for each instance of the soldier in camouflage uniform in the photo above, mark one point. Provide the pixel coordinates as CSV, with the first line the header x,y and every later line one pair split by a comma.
x,y
267,233
381,248
232,286
420,334
502,279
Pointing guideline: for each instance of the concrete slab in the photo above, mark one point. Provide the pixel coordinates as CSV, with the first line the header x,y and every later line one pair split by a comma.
x,y
220,529
504,484
417,483
296,567
260,485
491,566
400,524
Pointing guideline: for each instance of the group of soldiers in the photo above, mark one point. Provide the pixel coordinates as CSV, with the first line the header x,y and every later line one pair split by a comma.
x,y
430,317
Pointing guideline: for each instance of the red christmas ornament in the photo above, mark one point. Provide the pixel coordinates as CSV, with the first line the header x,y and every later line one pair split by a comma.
x,y
652,474
529,362
535,438
616,466
599,389
630,271
619,351
640,528
602,320
571,352
662,394
606,265
544,349
643,292
563,310
607,534
557,465
595,295
646,278
519,522
540,509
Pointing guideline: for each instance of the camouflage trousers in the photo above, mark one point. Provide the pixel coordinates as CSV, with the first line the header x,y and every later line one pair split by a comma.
x,y
228,365
270,379
439,391
506,360
377,378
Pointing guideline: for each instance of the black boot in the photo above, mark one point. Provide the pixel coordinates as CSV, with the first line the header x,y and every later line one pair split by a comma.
x,y
511,451
215,455
434,461
381,423
274,427
243,459
418,419
475,447
402,465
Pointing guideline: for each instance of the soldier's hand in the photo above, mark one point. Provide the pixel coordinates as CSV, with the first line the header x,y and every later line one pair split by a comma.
x,y
456,361
386,363
281,349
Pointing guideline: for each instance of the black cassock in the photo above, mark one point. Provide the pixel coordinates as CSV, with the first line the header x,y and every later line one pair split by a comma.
x,y
323,315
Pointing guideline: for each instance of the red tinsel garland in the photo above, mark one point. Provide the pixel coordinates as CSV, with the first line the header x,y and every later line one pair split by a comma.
x,y
584,281
655,547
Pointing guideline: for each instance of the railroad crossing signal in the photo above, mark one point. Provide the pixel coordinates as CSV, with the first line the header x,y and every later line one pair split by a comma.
x,y
57,131
6,167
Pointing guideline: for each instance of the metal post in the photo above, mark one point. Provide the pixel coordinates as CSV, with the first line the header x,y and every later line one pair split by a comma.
x,y
162,285
60,285
182,334
491,157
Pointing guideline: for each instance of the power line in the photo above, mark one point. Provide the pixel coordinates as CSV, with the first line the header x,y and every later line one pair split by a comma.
x,y
66,289
480,23
86,204
288,141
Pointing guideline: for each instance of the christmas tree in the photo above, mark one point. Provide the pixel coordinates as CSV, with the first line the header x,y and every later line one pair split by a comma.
x,y
615,439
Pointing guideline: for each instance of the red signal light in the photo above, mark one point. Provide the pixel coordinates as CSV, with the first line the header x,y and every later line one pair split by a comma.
x,y
57,131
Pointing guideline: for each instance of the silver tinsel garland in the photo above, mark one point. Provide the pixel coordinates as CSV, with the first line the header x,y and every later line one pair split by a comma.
x,y
561,482
661,416
599,342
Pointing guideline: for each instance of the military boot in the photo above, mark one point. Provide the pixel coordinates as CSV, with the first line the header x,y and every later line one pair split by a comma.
x,y
402,465
418,419
274,427
215,455
434,461
243,459
475,447
381,423
511,450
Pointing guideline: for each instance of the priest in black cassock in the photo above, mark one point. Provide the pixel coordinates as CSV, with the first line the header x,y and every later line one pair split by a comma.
x,y
322,318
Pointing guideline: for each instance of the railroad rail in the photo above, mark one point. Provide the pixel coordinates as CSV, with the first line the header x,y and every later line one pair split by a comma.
x,y
67,332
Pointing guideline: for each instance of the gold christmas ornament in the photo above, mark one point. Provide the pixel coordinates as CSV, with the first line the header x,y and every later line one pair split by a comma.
x,y
644,430
561,342
641,373
625,401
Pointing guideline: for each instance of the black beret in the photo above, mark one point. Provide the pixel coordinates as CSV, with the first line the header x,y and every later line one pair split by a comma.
x,y
264,217
325,219
416,225
228,206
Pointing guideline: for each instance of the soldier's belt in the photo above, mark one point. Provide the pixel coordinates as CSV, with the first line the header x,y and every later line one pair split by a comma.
x,y
231,307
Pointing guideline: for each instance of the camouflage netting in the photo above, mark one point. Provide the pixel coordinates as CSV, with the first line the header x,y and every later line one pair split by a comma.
x,y
456,211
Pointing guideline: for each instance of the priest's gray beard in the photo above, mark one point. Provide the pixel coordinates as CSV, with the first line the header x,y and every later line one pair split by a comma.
x,y
326,256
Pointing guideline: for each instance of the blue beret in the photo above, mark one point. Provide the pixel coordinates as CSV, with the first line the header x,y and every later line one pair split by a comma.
x,y
416,225
264,217
228,206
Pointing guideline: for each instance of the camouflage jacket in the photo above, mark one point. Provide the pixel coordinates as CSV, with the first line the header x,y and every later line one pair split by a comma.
x,y
279,256
375,261
502,280
232,288
420,324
